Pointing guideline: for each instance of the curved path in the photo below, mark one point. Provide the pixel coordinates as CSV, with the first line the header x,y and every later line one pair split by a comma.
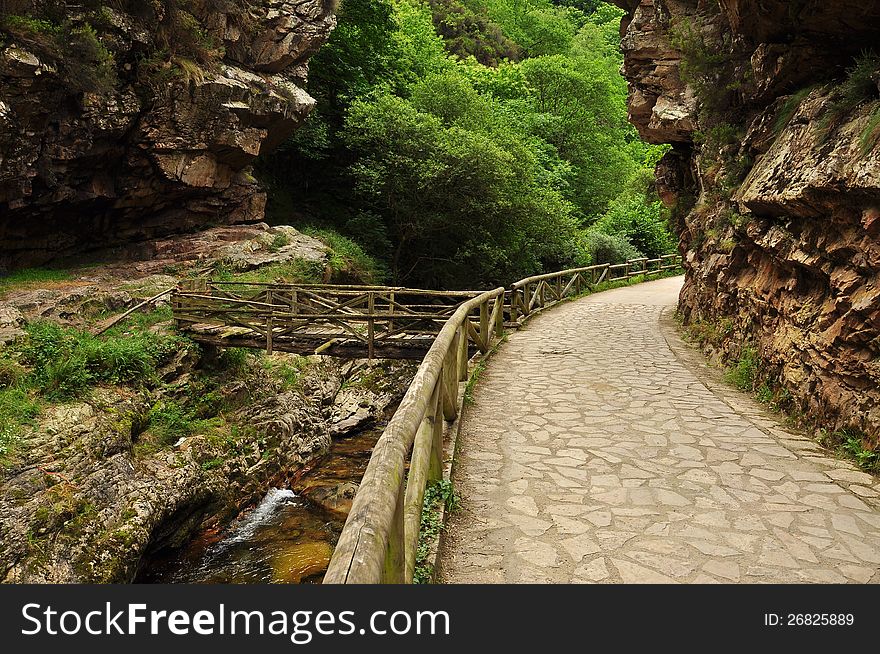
x,y
602,449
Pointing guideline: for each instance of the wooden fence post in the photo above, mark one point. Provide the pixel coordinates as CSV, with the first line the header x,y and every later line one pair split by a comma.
x,y
425,464
449,381
371,325
499,316
514,298
463,352
484,327
270,326
395,554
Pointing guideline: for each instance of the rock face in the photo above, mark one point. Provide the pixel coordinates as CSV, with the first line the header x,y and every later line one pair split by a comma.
x,y
89,498
164,146
773,111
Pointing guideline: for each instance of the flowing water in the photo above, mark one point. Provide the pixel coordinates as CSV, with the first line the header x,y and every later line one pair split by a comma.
x,y
288,538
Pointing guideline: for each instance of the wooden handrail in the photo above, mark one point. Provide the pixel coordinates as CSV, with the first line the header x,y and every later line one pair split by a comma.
x,y
538,292
380,536
537,278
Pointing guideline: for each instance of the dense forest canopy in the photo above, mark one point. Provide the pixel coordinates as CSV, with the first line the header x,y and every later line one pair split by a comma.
x,y
471,142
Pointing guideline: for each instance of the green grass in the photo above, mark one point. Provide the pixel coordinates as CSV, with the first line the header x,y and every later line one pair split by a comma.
x,y
437,495
280,241
870,136
32,277
790,107
853,444
479,369
296,271
142,321
170,421
347,257
858,87
289,370
744,372
765,394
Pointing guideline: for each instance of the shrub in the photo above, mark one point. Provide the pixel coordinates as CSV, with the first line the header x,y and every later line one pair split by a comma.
x,y
234,359
608,248
17,408
87,65
121,360
46,342
640,222
348,258
67,361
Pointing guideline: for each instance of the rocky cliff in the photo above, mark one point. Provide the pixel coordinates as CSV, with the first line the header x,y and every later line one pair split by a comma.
x,y
127,120
773,112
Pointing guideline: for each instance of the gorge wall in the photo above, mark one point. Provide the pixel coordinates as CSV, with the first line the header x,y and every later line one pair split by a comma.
x,y
772,109
128,120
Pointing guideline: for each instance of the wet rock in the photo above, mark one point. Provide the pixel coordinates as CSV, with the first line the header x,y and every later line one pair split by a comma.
x,y
299,561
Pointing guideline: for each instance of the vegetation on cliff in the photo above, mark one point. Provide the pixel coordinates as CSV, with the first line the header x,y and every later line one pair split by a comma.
x,y
467,143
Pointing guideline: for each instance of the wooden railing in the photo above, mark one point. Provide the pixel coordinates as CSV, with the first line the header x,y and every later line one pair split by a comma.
x,y
347,321
542,291
379,541
380,538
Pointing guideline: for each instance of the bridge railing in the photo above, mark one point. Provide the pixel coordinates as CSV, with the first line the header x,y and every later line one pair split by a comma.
x,y
542,291
379,541
369,321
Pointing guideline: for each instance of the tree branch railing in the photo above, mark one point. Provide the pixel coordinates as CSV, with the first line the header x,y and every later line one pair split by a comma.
x,y
379,541
539,292
318,319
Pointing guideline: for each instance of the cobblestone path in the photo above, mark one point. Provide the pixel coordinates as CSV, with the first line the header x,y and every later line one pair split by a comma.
x,y
600,448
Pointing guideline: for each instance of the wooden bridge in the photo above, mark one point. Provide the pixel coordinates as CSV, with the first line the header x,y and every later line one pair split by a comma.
x,y
373,321
379,541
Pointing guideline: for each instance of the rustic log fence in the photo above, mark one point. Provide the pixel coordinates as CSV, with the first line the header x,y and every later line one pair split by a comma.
x,y
379,541
543,291
345,321
380,538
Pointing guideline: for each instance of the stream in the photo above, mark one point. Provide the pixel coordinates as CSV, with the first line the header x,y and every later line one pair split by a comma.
x,y
288,538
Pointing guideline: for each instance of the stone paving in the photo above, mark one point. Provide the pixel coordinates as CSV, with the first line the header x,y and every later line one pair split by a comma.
x,y
601,448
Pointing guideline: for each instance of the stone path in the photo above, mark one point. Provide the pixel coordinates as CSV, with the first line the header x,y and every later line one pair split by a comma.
x,y
602,449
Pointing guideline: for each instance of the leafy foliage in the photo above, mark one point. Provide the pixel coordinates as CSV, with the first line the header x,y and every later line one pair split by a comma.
x,y
744,372
600,247
469,32
65,362
440,494
640,222
469,142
